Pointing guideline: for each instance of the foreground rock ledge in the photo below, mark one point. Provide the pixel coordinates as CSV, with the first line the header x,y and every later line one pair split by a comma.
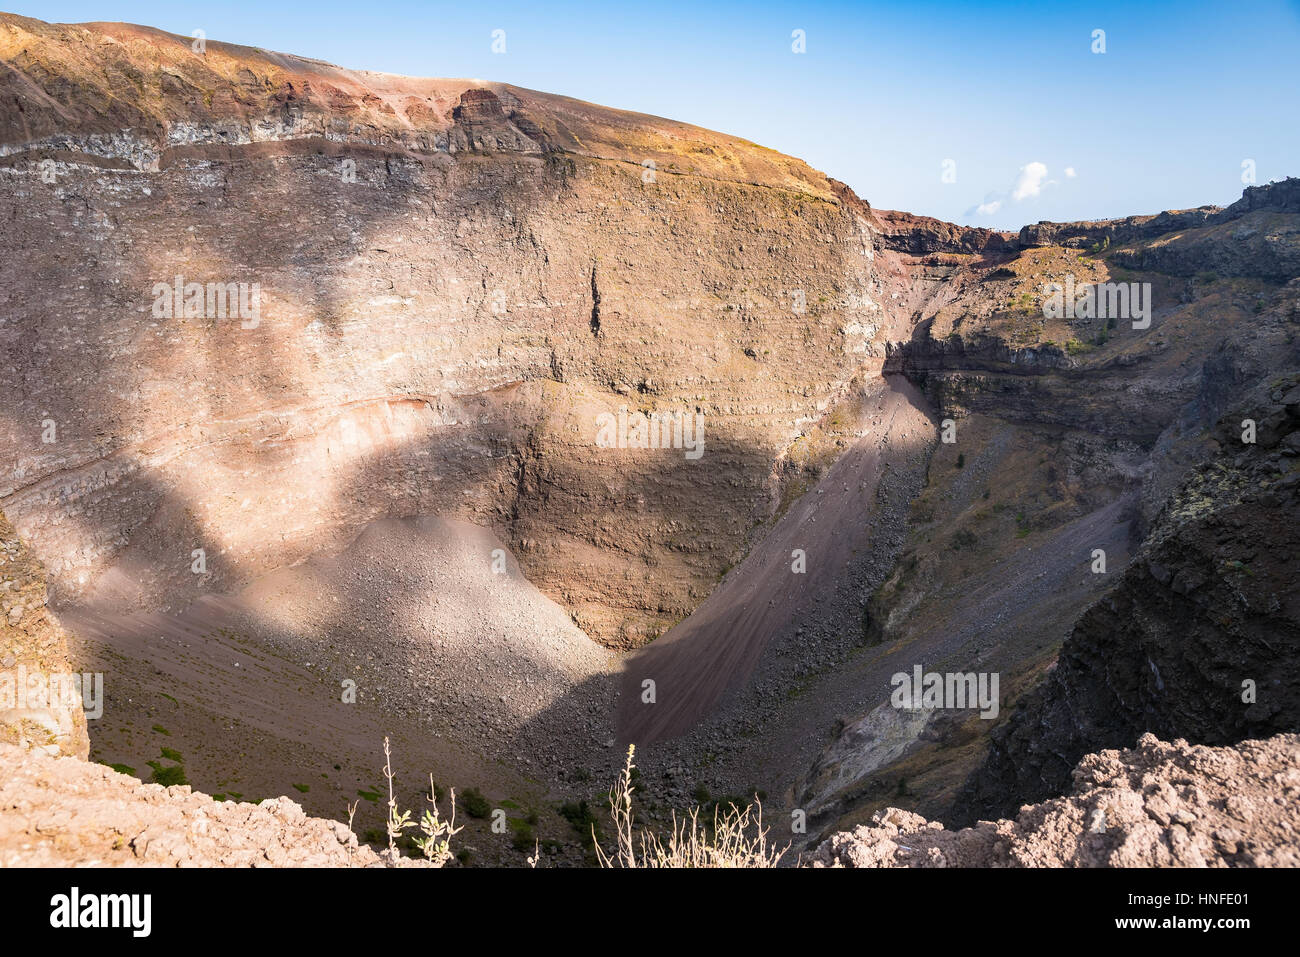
x,y
1158,805
61,811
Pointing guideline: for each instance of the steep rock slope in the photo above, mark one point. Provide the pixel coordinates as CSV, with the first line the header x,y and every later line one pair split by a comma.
x,y
1200,637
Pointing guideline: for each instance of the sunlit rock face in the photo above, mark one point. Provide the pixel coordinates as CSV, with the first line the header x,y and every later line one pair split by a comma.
x,y
262,300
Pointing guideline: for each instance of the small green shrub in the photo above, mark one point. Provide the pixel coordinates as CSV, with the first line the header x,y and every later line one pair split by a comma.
x,y
964,539
523,837
168,776
475,804
580,816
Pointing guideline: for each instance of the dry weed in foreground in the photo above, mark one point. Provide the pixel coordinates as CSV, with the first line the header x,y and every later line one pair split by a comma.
x,y
727,844
435,845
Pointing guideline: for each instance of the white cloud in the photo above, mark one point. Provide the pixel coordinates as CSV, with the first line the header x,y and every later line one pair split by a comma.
x,y
1030,182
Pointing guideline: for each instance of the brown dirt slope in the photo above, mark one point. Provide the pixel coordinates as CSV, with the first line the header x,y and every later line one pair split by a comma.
x,y
794,571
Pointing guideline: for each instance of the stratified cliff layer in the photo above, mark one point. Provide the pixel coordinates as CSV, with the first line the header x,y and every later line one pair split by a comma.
x,y
136,95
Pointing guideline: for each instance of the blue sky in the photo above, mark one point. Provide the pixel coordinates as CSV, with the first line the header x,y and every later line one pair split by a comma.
x,y
884,94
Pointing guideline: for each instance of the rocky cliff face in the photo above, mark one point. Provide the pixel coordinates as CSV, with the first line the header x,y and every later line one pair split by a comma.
x,y
1255,237
1199,637
455,282
1216,295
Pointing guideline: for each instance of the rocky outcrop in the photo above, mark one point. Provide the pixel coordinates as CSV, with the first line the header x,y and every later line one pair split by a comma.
x,y
1199,638
924,235
61,812
1157,805
41,696
1254,237
1113,232
1262,244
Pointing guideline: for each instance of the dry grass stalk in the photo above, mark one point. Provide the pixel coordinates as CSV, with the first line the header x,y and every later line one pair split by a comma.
x,y
736,839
